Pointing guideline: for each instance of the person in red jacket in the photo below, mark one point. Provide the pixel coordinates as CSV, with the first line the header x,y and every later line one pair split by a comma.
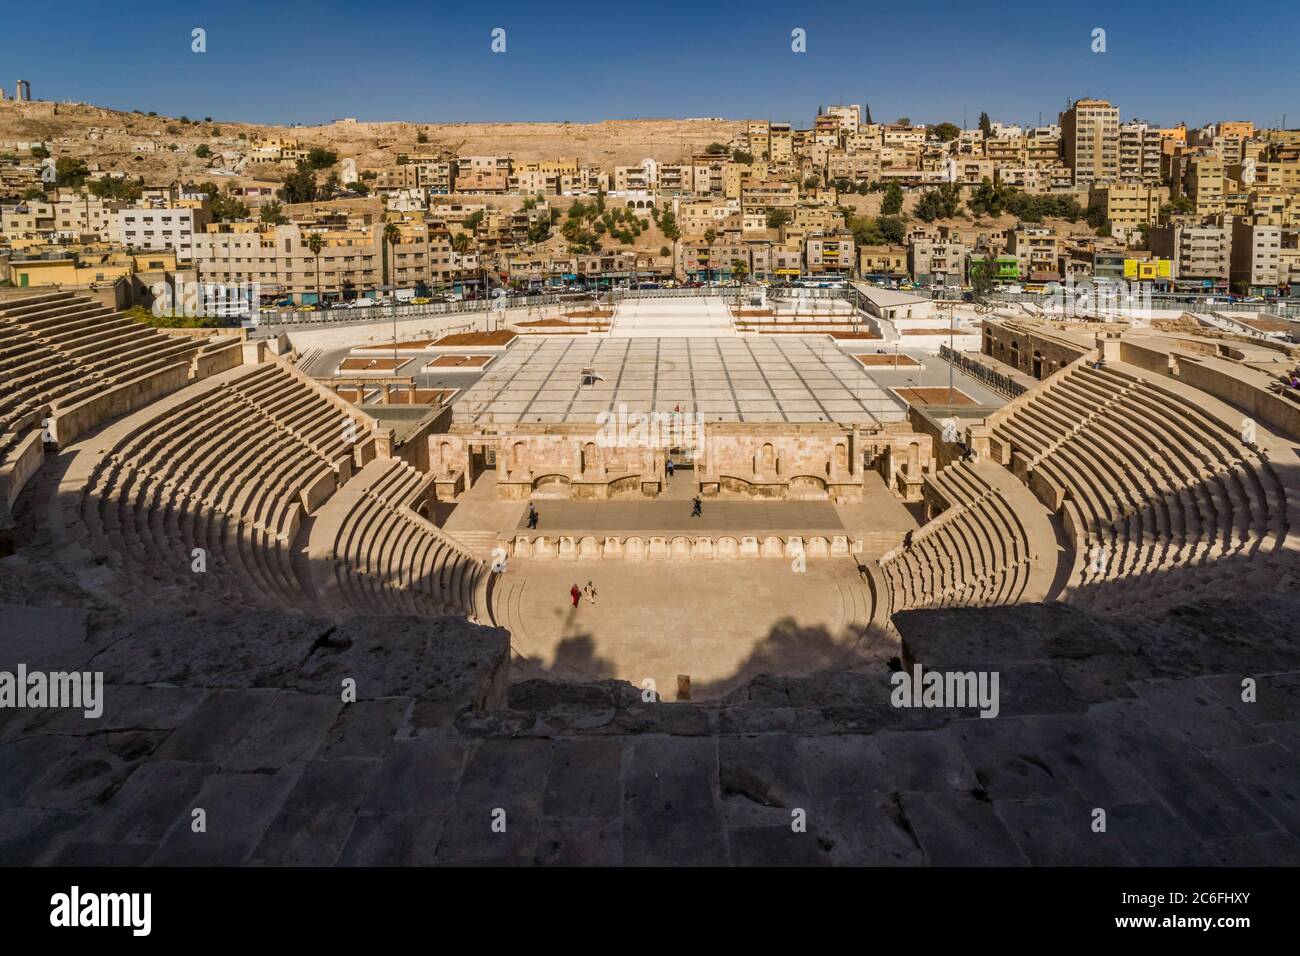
x,y
575,594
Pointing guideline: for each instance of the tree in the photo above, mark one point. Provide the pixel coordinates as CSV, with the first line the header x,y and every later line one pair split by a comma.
x,y
1096,214
117,187
421,137
225,207
272,215
892,204
981,276
778,217
947,132
988,198
473,221
891,229
71,172
866,119
668,226
40,152
320,158
359,188
903,121
391,235
203,151
930,206
460,243
740,156
539,231
986,125
715,149
812,182
315,243
299,186
739,270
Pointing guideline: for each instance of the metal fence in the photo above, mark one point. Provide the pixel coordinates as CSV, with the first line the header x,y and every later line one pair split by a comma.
x,y
977,370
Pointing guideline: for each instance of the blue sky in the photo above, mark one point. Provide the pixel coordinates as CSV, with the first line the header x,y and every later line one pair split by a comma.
x,y
279,61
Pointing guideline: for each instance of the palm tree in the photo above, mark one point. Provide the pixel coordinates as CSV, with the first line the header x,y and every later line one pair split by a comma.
x,y
709,236
316,242
391,235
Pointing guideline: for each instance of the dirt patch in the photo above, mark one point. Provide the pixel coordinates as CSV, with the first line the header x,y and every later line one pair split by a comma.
x,y
890,361
371,365
462,339
459,361
934,396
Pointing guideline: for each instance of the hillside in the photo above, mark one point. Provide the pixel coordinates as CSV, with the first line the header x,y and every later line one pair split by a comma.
x,y
111,138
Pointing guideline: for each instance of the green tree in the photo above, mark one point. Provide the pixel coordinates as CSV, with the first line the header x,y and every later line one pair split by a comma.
x,y
391,235
715,149
71,172
299,186
986,125
40,152
947,132
981,276
892,204
891,229
930,206
320,158
360,188
203,151
672,232
778,217
460,243
315,243
740,156
272,214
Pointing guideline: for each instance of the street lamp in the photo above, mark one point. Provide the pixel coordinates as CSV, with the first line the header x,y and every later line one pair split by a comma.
x,y
392,302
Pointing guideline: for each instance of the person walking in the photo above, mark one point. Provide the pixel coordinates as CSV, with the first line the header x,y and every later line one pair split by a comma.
x,y
697,508
575,594
907,541
669,467
590,592
532,516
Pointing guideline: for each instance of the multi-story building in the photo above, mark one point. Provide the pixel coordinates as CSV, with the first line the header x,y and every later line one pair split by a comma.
x,y
937,261
1201,255
1139,153
1090,141
166,228
1255,258
781,142
833,253
1037,251
1128,205
882,262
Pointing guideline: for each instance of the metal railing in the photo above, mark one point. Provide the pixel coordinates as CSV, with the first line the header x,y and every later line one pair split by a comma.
x,y
977,370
